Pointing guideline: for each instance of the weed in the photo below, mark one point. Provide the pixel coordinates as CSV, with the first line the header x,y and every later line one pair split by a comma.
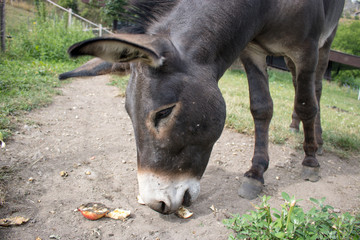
x,y
291,222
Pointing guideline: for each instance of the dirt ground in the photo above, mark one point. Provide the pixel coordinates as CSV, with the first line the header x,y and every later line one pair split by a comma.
x,y
86,130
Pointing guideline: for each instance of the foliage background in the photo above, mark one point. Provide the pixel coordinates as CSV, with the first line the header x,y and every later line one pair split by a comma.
x,y
347,40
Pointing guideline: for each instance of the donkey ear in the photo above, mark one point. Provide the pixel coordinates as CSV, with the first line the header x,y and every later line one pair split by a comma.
x,y
122,48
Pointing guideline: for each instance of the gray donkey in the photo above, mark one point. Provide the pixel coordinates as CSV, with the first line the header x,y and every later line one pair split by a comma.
x,y
177,54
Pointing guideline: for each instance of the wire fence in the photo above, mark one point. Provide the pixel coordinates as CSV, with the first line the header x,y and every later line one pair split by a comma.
x,y
95,27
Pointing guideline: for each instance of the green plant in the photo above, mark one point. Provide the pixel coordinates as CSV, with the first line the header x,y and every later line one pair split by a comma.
x,y
41,10
114,10
73,4
291,222
46,40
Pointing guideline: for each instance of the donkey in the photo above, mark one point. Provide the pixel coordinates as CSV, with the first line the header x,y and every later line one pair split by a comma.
x,y
177,55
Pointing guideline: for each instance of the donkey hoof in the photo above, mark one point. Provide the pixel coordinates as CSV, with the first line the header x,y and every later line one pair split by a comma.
x,y
310,173
250,188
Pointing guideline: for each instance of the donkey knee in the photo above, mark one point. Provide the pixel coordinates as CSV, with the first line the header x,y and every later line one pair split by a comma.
x,y
306,111
262,111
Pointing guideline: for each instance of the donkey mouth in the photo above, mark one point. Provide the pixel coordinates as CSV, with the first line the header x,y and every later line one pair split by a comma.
x,y
166,195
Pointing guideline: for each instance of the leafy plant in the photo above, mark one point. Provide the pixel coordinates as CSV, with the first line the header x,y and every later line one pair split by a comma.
x,y
114,9
291,222
70,4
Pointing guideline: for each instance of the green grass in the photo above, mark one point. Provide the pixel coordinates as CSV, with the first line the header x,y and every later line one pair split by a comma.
x,y
16,18
120,82
34,57
25,85
340,112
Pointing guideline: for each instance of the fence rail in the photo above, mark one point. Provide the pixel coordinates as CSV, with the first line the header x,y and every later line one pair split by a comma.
x,y
71,14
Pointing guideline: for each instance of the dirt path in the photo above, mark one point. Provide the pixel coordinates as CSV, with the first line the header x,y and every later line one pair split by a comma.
x,y
87,130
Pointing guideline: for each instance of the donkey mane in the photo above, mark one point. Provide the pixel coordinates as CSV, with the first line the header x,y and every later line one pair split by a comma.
x,y
142,13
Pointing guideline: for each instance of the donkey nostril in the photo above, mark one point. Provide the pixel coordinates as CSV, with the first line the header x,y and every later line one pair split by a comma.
x,y
162,207
187,199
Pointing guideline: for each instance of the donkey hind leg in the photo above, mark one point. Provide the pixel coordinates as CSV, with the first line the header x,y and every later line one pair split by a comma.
x,y
295,120
306,107
320,71
261,107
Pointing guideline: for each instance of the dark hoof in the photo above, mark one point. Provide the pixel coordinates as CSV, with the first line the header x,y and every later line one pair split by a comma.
x,y
320,151
250,188
310,173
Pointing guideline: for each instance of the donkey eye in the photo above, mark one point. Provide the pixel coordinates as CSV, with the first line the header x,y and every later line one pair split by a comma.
x,y
162,114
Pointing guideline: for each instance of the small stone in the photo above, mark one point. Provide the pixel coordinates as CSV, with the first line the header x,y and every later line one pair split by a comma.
x,y
64,174
31,179
277,178
280,165
88,173
336,210
54,237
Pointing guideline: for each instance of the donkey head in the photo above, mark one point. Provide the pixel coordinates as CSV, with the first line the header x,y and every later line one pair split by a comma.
x,y
177,113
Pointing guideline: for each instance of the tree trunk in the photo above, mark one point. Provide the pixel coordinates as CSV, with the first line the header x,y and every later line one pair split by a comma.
x,y
2,24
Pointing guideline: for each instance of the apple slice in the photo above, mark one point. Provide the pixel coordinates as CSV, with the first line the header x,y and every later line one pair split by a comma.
x,y
93,211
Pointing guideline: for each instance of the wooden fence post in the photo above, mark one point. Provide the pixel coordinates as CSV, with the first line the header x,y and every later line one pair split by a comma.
x,y
2,24
70,15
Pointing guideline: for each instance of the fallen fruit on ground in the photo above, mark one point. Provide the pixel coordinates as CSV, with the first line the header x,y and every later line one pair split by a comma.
x,y
118,214
183,213
93,211
13,221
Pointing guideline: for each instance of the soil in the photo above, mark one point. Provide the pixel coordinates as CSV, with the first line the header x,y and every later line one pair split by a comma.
x,y
87,133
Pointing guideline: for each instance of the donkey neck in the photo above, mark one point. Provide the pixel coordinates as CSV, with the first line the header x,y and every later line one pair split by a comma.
x,y
212,32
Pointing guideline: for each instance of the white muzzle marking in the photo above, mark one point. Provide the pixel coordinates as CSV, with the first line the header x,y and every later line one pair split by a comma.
x,y
156,188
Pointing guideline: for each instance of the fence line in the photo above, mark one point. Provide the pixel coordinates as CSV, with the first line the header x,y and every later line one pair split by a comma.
x,y
98,26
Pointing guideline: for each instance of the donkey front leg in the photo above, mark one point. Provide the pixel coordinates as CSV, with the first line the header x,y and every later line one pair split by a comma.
x,y
261,106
